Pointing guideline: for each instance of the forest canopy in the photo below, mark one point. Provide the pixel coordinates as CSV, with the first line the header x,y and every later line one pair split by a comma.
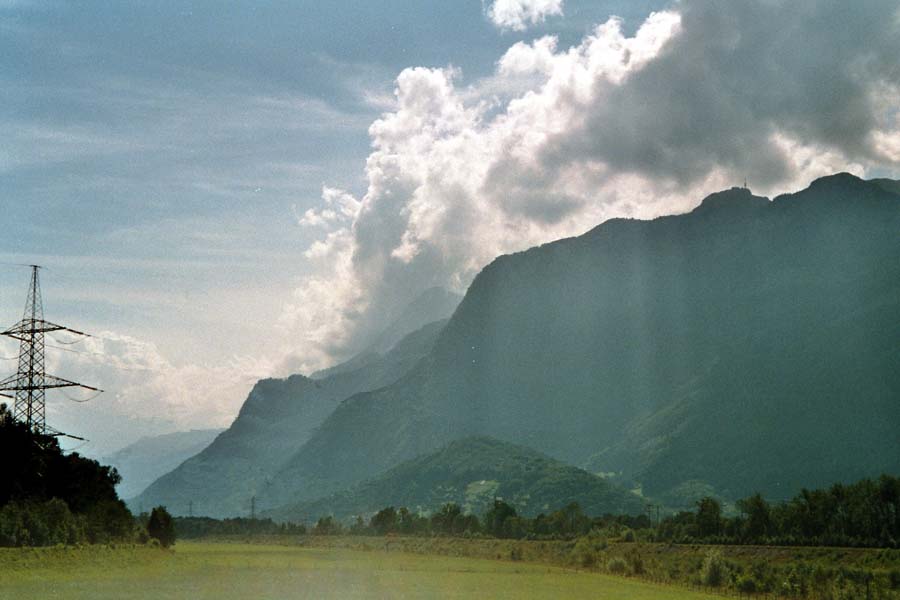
x,y
47,497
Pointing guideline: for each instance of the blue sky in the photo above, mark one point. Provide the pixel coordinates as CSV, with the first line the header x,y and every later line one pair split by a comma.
x,y
155,155
224,192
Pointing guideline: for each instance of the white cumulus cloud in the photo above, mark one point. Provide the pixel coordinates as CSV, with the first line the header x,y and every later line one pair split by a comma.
x,y
519,14
559,139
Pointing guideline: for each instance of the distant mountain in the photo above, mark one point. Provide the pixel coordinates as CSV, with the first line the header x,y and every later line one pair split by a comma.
x,y
143,461
748,345
434,304
278,416
472,472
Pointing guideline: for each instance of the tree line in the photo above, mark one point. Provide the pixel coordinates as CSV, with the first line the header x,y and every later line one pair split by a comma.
x,y
204,527
49,498
501,520
862,514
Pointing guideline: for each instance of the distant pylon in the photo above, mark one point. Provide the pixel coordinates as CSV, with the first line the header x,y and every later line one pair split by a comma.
x,y
30,383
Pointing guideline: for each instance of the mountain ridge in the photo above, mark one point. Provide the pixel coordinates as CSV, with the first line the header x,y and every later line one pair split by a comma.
x,y
659,316
278,416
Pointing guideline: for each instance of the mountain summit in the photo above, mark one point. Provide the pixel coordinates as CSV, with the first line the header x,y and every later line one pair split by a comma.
x,y
750,345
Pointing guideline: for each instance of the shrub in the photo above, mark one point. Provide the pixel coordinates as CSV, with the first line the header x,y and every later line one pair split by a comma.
x,y
587,550
894,579
713,569
617,566
635,562
161,527
327,526
515,553
747,584
39,524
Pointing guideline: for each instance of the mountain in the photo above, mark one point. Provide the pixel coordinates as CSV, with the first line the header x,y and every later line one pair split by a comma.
x,y
472,472
278,416
434,304
747,345
143,461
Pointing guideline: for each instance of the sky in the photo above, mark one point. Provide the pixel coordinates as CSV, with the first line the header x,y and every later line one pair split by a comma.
x,y
223,193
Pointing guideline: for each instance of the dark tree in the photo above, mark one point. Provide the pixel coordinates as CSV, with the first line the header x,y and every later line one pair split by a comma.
x,y
161,526
495,519
569,521
40,473
444,521
385,521
327,526
709,517
759,518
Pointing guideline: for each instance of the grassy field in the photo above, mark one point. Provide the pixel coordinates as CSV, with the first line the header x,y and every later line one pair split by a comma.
x,y
232,570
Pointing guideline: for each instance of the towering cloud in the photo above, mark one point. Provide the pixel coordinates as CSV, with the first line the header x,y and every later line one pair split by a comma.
x,y
557,140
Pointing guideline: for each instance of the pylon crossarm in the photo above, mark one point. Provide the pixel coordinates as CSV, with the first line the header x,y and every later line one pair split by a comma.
x,y
51,381
18,383
9,383
25,328
52,432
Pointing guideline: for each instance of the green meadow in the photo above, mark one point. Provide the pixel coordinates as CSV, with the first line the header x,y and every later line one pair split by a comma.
x,y
230,570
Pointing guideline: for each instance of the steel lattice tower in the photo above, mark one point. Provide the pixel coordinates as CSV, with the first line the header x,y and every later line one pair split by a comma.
x,y
31,382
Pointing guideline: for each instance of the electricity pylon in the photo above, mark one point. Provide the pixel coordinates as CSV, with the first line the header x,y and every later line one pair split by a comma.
x,y
31,382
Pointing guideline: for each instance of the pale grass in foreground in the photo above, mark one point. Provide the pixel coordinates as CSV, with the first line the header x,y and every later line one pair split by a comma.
x,y
238,571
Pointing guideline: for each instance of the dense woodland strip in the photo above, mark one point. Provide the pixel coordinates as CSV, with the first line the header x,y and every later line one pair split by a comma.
x,y
862,514
47,497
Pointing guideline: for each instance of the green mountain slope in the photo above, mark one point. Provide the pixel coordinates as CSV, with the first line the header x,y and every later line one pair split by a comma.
x,y
472,472
751,345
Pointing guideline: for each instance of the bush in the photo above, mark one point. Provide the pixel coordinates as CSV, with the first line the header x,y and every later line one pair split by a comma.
x,y
894,579
515,553
617,566
583,554
713,570
327,526
635,562
588,550
161,527
747,584
39,524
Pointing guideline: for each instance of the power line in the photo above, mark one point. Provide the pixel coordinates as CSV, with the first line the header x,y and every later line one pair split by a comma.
x,y
77,341
81,400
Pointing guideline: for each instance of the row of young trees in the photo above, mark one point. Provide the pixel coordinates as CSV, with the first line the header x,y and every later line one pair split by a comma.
x,y
501,520
203,527
866,513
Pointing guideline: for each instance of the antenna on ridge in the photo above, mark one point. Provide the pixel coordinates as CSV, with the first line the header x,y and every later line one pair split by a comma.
x,y
31,382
